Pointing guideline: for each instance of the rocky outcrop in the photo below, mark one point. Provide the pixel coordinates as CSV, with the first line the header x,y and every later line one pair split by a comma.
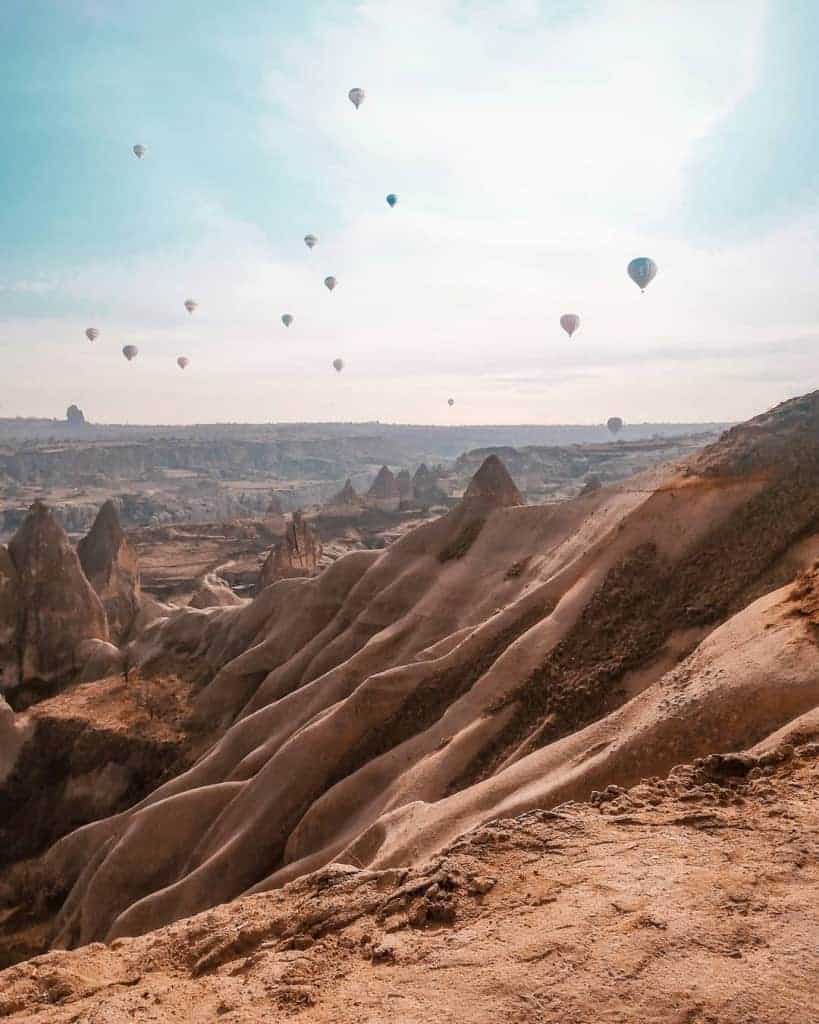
x,y
213,592
111,567
346,498
425,489
58,608
404,482
384,492
74,416
493,486
9,609
297,555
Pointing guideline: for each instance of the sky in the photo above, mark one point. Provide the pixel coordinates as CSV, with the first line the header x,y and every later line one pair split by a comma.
x,y
536,146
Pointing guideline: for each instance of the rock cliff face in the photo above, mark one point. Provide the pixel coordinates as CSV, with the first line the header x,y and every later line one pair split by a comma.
x,y
9,611
57,607
496,659
111,567
297,555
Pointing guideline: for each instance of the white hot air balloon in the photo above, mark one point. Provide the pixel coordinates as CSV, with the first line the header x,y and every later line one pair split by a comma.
x,y
310,241
130,352
338,365
330,283
182,362
356,97
287,319
191,306
140,151
92,333
570,322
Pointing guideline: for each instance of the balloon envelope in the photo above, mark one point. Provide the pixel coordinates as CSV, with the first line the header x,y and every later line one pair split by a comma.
x,y
182,362
330,282
310,241
356,97
140,151
338,365
130,352
287,319
450,402
615,424
190,305
642,272
570,322
92,333
392,199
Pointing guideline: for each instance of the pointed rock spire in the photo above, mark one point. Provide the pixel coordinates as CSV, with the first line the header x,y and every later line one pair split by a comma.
x,y
111,567
59,608
493,485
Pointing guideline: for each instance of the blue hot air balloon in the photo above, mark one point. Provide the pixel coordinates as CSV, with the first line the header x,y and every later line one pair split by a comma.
x,y
642,272
392,199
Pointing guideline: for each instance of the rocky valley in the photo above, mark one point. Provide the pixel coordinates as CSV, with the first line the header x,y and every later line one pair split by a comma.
x,y
538,722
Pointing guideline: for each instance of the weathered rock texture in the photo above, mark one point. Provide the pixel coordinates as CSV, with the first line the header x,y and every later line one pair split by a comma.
x,y
497,659
347,500
425,488
57,607
213,592
297,555
111,567
684,899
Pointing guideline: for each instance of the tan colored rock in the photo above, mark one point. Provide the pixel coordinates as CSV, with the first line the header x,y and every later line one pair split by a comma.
x,y
297,555
59,607
213,592
347,497
492,485
112,569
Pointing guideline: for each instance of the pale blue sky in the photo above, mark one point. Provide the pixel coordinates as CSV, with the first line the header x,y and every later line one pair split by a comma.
x,y
536,147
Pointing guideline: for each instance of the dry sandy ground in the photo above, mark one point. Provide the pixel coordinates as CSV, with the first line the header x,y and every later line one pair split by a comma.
x,y
691,900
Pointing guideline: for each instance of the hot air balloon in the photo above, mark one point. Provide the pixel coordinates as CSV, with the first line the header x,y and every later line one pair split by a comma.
x,y
338,365
570,322
450,402
130,352
356,97
92,333
182,362
140,151
642,272
190,305
615,424
287,319
392,199
330,282
310,241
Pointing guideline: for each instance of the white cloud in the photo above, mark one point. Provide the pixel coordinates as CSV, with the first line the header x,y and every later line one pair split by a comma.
x,y
535,149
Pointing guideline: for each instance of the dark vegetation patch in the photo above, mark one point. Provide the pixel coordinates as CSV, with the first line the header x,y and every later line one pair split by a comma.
x,y
462,541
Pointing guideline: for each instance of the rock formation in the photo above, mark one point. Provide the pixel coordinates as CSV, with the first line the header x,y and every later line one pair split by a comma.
x,y
213,592
111,567
58,607
297,555
9,613
384,492
344,502
274,508
495,659
74,416
492,485
425,489
404,482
